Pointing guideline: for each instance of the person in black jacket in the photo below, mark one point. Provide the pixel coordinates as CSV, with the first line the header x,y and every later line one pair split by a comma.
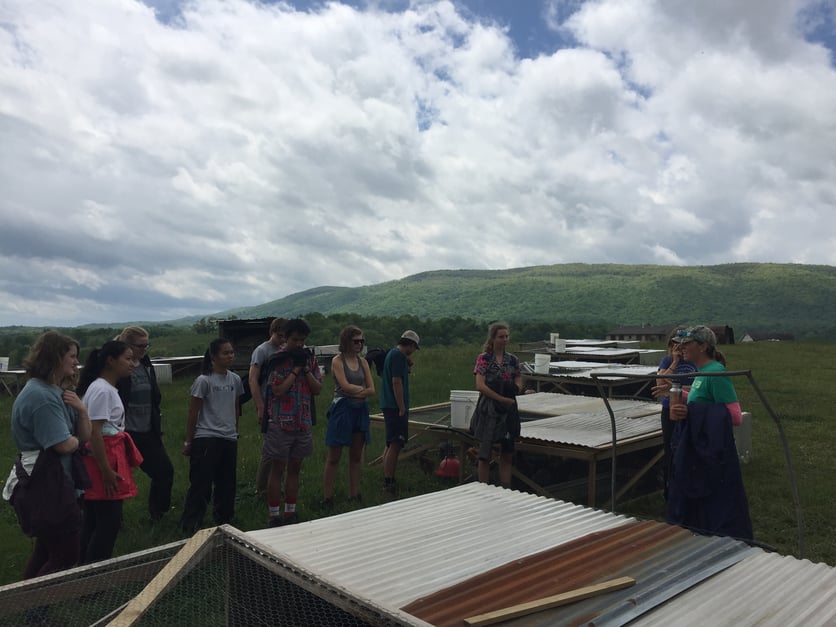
x,y
141,397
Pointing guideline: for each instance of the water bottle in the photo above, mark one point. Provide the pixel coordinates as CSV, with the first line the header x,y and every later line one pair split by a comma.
x,y
675,395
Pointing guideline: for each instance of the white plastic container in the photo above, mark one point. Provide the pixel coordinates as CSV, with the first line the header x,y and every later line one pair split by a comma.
x,y
560,346
541,363
163,372
462,404
553,337
4,364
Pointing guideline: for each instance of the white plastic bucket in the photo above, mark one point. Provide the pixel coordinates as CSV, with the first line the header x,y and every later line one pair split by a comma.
x,y
462,404
4,364
541,362
553,337
559,346
163,372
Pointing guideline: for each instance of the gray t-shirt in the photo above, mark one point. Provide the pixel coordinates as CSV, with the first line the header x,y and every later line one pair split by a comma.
x,y
217,417
263,352
138,409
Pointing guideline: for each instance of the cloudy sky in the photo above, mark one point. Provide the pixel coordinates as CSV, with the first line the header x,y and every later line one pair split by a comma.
x,y
162,158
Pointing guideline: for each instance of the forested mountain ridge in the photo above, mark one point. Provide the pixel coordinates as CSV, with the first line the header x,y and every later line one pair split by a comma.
x,y
793,298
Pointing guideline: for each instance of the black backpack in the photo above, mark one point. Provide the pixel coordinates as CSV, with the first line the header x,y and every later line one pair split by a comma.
x,y
376,357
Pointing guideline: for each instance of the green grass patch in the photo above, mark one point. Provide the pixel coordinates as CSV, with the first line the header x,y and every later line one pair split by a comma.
x,y
795,376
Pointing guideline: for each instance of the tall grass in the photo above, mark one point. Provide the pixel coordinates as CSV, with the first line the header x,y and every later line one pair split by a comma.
x,y
796,377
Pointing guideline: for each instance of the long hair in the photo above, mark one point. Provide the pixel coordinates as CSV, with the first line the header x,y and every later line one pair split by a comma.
x,y
46,355
347,335
213,351
97,361
493,329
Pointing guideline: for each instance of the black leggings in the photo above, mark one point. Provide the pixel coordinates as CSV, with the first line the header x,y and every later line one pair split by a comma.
x,y
102,520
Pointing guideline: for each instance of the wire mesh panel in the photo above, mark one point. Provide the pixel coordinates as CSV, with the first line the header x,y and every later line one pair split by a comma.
x,y
217,578
82,596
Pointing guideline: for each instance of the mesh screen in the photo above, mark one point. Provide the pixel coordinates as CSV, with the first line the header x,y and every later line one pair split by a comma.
x,y
226,582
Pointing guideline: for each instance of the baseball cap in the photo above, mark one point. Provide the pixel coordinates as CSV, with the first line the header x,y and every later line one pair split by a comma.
x,y
701,334
411,336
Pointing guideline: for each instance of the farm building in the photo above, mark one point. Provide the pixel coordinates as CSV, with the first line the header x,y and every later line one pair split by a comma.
x,y
767,336
724,333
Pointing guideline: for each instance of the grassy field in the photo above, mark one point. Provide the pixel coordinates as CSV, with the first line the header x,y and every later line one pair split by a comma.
x,y
797,379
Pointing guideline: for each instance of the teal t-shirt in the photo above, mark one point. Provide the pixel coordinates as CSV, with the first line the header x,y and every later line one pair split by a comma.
x,y
395,365
712,389
41,419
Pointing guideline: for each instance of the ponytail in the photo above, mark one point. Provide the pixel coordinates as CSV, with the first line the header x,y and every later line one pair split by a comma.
x,y
96,362
213,351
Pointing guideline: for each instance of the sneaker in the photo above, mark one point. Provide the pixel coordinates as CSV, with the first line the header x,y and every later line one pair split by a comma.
x,y
290,519
275,521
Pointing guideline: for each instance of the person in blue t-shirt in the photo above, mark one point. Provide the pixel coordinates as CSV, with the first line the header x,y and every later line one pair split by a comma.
x,y
394,403
46,416
672,363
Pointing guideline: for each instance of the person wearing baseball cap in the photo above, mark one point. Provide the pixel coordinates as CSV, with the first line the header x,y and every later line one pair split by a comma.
x,y
706,491
394,403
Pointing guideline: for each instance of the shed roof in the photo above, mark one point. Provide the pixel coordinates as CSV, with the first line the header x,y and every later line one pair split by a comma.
x,y
447,555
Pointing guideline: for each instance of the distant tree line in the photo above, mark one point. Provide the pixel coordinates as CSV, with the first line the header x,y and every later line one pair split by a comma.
x,y
380,331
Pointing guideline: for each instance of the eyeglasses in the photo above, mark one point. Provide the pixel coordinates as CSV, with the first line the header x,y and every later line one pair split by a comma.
x,y
143,346
360,341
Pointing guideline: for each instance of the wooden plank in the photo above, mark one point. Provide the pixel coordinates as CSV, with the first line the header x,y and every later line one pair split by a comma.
x,y
556,600
180,565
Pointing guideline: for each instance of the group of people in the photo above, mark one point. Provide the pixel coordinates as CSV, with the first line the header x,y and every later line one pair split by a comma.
x,y
103,423
97,425
284,378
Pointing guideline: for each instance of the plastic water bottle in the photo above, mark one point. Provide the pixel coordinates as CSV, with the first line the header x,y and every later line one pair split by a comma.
x,y
675,393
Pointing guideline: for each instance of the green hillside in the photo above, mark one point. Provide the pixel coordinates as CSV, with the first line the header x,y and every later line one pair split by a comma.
x,y
791,298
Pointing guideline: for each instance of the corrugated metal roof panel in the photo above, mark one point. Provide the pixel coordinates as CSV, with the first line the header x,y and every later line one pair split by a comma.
x,y
549,404
592,429
764,589
397,552
661,558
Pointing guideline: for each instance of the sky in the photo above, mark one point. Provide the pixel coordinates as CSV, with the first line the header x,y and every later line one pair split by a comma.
x,y
160,159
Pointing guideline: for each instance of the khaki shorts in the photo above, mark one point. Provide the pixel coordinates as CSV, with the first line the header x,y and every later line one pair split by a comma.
x,y
282,445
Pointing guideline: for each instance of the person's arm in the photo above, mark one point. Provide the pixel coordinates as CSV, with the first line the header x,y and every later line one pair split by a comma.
x,y
311,377
255,389
237,411
67,446
83,428
195,405
397,392
97,447
354,391
735,413
483,387
281,386
369,381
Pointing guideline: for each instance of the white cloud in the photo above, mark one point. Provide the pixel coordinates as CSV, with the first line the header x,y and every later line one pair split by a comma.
x,y
239,152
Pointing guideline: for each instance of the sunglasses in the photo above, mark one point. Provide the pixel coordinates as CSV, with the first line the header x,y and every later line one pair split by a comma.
x,y
140,345
360,341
